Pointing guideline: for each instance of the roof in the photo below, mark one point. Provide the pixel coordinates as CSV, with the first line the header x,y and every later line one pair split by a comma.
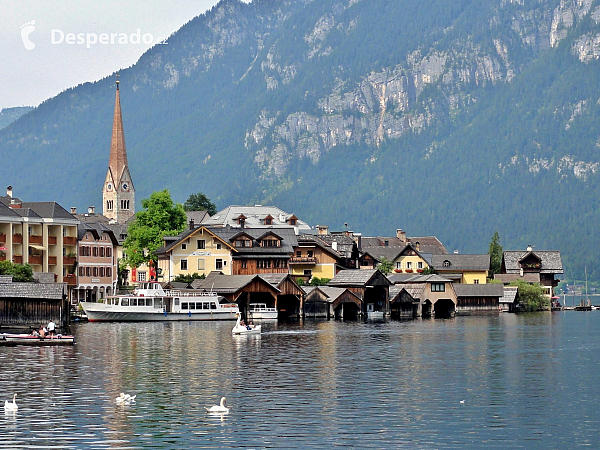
x,y
289,240
255,216
510,294
332,293
317,241
49,291
461,262
117,162
413,289
51,210
425,279
197,216
528,277
274,278
224,284
6,211
479,290
427,244
400,277
345,244
355,277
97,229
550,259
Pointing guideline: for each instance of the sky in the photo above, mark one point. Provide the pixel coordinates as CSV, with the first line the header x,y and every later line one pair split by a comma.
x,y
47,46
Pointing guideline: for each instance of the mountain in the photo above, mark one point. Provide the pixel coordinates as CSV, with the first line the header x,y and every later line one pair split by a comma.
x,y
9,115
448,118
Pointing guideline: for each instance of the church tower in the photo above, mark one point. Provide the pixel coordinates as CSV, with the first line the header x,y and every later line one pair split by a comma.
x,y
118,193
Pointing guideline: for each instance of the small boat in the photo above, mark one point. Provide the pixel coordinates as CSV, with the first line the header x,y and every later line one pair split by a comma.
x,y
260,311
244,329
150,302
375,315
29,339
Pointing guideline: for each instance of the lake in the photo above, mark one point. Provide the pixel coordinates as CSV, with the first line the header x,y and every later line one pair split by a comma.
x,y
518,381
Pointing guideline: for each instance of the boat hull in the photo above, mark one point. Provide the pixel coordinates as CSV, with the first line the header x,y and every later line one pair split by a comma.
x,y
241,331
27,339
137,316
263,315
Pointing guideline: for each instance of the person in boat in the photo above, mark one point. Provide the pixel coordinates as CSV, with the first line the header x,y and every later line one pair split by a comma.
x,y
42,332
35,333
250,325
51,328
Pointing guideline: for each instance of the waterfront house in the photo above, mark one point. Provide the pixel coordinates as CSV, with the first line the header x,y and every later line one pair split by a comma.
x,y
466,269
313,257
371,286
290,298
539,266
330,302
435,295
478,298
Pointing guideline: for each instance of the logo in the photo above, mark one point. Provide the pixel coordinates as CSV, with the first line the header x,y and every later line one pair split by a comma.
x,y
26,30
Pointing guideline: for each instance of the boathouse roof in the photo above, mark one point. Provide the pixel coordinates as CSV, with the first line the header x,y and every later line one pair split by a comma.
x,y
479,290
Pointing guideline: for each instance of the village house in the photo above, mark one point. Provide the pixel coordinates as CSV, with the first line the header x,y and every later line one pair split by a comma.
x,y
465,269
313,257
370,286
434,295
539,266
257,216
328,302
41,234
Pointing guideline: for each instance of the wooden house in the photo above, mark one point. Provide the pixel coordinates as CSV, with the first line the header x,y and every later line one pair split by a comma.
x,y
371,286
330,302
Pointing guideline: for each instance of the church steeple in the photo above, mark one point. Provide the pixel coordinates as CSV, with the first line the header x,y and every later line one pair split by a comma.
x,y
118,192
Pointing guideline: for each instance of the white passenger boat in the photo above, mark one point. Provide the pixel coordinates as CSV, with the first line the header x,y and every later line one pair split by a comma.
x,y
150,302
260,311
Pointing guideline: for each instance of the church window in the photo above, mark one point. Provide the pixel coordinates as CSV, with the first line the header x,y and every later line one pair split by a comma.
x,y
109,205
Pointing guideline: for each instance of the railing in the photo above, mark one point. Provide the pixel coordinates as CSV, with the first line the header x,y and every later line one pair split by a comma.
x,y
51,240
69,240
17,238
52,260
68,260
171,293
2,238
71,281
35,259
302,260
33,239
18,259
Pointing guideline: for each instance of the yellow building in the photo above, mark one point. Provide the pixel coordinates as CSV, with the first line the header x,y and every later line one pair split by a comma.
x,y
314,258
406,259
465,269
196,250
41,234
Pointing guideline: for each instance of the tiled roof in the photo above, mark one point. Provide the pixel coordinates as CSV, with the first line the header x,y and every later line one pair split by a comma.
x,y
528,277
274,278
510,294
427,244
197,216
400,277
289,240
461,262
479,290
255,216
316,240
50,291
345,244
223,284
354,277
48,210
551,261
414,290
425,279
6,211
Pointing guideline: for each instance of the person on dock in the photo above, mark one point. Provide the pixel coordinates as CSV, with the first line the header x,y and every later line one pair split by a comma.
x,y
51,328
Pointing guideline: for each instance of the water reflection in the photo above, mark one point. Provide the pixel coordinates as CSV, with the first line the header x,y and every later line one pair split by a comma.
x,y
524,380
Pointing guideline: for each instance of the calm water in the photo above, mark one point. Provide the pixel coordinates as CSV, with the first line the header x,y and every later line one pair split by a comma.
x,y
527,381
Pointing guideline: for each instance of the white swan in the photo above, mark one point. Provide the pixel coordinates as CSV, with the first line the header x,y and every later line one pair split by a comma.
x,y
125,399
11,406
221,409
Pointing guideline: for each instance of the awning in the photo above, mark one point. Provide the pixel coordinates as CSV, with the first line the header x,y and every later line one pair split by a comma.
x,y
37,247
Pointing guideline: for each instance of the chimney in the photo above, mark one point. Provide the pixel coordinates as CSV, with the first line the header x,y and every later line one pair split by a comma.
x,y
418,246
530,248
323,229
73,210
401,235
9,191
334,245
91,209
191,224
358,240
456,252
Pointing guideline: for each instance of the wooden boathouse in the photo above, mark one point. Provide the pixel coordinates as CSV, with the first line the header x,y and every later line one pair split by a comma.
x,y
32,304
328,302
370,286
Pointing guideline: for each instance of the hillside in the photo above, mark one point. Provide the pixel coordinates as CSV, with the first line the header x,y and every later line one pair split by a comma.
x,y
449,118
9,115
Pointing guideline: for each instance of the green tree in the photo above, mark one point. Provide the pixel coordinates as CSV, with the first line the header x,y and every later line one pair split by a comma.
x,y
428,271
186,278
200,202
495,254
531,296
160,217
19,272
385,266
316,281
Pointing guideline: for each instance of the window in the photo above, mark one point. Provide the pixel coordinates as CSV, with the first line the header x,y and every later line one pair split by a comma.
x,y
88,271
475,281
141,276
269,221
95,251
420,265
408,265
219,264
108,252
398,265
218,246
307,272
109,271
200,244
183,264
293,221
201,264
183,246
270,243
263,264
244,264
446,263
81,271
386,243
438,287
81,251
102,271
309,253
124,204
95,271
184,305
109,205
102,252
299,254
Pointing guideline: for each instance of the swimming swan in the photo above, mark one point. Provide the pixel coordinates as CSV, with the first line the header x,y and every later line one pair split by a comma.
x,y
125,399
11,406
218,409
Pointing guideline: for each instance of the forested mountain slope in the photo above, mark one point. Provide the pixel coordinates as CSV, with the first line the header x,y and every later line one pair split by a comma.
x,y
449,118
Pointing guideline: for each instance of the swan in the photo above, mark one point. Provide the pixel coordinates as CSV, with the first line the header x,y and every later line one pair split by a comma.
x,y
221,409
125,399
11,406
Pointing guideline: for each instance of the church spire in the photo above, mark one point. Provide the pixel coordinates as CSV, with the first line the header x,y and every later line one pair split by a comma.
x,y
118,154
118,194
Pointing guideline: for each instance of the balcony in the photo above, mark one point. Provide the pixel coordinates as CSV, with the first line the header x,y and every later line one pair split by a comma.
x,y
17,238
52,260
35,259
51,240
2,238
18,259
33,239
68,260
306,260
69,240
71,280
